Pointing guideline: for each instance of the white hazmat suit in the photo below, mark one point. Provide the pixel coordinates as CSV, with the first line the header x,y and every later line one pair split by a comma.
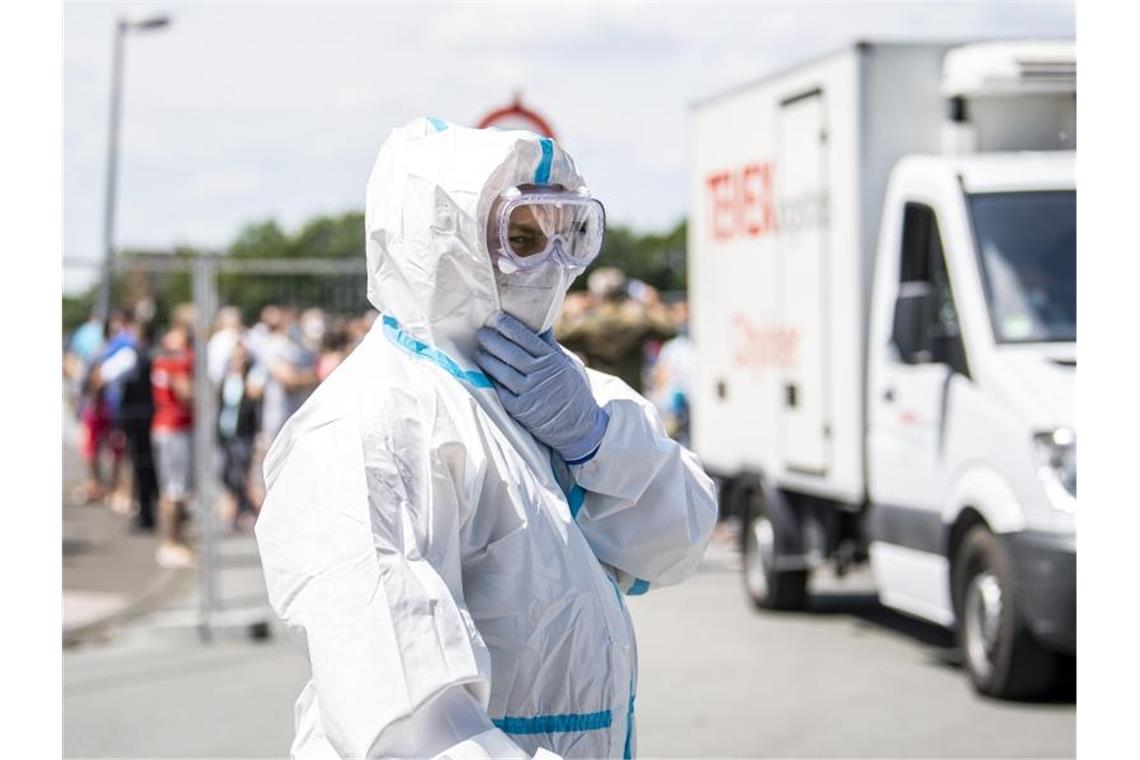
x,y
456,585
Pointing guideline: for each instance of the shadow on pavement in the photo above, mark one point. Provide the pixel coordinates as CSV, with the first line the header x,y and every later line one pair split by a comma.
x,y
74,546
863,606
866,607
943,651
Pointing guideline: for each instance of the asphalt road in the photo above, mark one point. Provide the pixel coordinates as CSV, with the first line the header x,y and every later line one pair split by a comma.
x,y
848,679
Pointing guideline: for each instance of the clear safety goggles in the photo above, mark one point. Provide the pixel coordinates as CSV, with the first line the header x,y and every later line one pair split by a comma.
x,y
536,223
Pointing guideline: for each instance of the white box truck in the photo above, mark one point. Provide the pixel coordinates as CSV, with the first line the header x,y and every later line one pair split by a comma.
x,y
882,274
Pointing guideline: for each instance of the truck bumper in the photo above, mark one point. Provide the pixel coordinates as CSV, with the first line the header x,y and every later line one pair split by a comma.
x,y
1045,568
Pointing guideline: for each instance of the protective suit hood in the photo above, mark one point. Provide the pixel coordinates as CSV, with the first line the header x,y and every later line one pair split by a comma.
x,y
429,196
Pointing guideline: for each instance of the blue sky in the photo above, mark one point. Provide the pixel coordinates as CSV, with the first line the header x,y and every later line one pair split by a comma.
x,y
247,111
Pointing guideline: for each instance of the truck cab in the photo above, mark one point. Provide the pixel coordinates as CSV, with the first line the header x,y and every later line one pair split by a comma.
x,y
971,442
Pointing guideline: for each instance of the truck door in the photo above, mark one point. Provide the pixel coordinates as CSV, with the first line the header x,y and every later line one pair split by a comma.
x,y
802,219
909,413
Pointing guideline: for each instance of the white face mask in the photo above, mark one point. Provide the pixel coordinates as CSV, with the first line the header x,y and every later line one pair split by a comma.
x,y
535,296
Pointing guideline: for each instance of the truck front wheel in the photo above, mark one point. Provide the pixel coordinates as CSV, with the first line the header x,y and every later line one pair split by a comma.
x,y
1000,653
767,587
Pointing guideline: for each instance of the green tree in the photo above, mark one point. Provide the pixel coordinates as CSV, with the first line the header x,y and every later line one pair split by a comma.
x,y
261,240
655,259
339,237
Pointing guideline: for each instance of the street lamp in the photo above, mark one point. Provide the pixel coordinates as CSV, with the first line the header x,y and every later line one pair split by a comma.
x,y
122,26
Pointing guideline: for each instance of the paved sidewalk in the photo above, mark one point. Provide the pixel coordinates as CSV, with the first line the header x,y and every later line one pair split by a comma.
x,y
241,604
109,573
110,576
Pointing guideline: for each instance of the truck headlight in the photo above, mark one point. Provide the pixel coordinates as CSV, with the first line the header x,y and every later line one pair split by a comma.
x,y
1056,456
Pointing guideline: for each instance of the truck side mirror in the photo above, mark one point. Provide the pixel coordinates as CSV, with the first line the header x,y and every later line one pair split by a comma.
x,y
912,316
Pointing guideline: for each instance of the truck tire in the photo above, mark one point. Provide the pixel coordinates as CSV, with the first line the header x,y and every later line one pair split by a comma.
x,y
999,652
767,587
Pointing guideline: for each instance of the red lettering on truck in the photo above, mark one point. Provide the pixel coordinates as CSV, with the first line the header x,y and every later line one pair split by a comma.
x,y
720,213
740,202
759,346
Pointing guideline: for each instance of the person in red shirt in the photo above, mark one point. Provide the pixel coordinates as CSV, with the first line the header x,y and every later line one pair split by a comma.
x,y
172,378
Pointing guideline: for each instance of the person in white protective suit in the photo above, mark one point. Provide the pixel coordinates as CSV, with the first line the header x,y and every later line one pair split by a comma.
x,y
454,515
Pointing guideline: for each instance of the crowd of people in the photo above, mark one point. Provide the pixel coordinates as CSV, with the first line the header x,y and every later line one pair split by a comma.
x,y
132,390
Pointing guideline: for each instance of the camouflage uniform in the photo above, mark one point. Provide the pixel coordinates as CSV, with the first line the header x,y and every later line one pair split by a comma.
x,y
610,337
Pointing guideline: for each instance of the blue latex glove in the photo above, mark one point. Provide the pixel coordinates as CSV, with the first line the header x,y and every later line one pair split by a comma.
x,y
542,388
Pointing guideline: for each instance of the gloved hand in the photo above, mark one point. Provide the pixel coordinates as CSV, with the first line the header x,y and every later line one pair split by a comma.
x,y
541,388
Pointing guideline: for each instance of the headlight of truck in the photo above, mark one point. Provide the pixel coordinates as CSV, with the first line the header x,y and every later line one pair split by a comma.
x,y
1056,456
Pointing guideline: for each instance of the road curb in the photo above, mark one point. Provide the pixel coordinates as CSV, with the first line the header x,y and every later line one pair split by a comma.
x,y
168,583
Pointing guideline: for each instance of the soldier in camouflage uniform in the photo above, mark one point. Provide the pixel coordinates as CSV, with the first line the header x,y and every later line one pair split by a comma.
x,y
611,333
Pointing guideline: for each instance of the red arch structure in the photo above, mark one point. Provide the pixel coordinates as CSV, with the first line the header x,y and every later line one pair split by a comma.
x,y
516,110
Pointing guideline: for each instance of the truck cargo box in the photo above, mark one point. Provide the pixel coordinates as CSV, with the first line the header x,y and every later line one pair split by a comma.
x,y
788,180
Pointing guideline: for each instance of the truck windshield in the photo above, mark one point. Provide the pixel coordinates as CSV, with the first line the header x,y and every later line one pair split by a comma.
x,y
1027,242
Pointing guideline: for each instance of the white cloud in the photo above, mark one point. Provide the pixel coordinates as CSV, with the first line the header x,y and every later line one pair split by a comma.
x,y
246,111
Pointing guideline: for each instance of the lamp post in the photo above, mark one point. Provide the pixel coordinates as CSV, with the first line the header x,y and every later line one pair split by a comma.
x,y
122,26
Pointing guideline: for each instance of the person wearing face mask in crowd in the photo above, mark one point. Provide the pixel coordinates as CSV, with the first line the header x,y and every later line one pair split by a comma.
x,y
455,514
